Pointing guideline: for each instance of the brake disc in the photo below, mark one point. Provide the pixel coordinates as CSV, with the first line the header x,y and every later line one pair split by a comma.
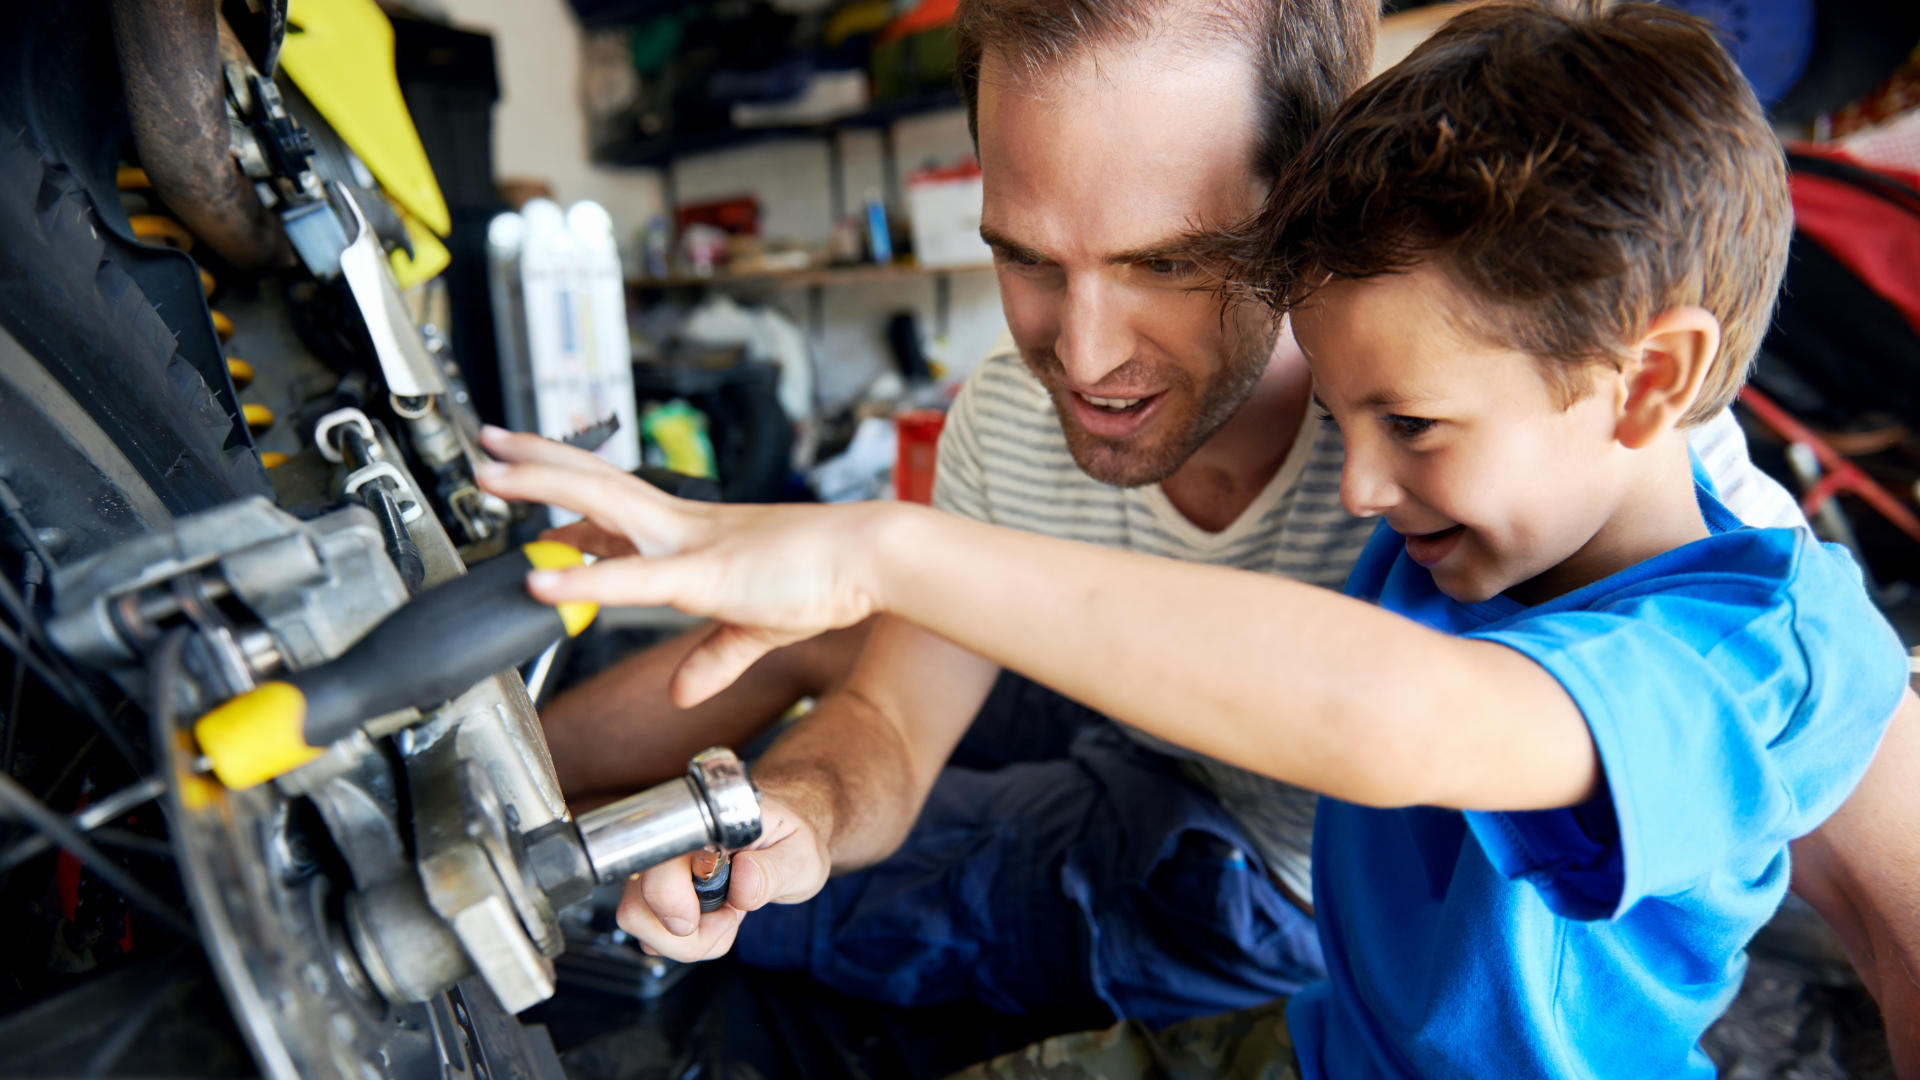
x,y
258,873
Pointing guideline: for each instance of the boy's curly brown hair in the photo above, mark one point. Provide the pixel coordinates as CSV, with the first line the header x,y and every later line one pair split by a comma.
x,y
1576,173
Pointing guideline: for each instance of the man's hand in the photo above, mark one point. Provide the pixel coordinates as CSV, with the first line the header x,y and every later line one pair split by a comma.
x,y
786,865
770,575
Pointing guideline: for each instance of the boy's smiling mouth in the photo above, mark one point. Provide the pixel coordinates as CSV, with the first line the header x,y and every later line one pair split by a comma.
x,y
1429,548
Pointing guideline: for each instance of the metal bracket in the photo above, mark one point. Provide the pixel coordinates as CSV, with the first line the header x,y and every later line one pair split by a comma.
x,y
472,877
323,432
411,506
405,362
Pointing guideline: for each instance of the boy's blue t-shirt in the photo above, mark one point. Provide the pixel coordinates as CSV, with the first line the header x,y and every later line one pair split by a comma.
x,y
1736,689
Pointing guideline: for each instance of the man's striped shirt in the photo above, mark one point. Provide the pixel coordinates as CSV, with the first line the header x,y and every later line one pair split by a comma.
x,y
1004,460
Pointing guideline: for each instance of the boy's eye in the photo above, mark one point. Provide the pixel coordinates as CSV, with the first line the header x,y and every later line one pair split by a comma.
x,y
1167,267
1409,427
1326,418
1017,258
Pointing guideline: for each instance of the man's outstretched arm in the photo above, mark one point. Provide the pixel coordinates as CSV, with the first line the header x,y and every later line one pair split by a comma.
x,y
620,731
1861,870
839,791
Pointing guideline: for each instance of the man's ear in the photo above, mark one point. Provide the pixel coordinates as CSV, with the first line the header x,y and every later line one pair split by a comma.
x,y
1663,374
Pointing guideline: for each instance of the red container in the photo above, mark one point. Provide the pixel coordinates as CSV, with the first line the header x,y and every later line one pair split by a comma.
x,y
918,431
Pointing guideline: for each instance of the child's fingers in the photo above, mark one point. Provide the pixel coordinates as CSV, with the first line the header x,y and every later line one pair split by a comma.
x,y
631,581
607,497
519,447
593,539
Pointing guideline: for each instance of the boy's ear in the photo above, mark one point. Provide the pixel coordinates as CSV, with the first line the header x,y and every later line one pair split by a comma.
x,y
1663,374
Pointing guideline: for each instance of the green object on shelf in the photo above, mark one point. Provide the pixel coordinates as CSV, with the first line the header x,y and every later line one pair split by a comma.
x,y
679,431
913,66
654,42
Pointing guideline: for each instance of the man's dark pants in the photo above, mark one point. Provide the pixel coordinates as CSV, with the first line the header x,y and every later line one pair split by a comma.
x,y
1057,865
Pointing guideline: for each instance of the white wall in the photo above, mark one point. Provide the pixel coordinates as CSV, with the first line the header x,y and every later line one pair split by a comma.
x,y
792,181
539,127
539,131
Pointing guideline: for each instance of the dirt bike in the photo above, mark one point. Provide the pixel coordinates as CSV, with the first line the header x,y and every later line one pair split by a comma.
x,y
232,444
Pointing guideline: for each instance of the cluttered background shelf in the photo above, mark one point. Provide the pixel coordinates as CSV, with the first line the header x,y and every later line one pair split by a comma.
x,y
858,274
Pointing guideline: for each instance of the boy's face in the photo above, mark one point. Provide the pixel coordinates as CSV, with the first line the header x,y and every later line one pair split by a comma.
x,y
1459,443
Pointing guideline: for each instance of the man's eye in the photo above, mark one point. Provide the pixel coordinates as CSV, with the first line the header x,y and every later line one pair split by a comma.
x,y
1016,258
1167,267
1326,418
1409,427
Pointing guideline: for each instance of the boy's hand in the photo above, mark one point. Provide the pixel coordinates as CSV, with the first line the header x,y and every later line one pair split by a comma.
x,y
787,865
770,575
592,539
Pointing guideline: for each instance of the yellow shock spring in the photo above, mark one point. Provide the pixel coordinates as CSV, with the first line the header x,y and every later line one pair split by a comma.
x,y
156,228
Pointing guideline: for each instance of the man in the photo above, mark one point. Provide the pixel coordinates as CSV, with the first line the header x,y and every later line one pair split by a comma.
x,y
1142,416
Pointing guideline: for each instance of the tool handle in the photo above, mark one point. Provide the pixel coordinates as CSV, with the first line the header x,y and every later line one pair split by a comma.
x,y
680,485
440,643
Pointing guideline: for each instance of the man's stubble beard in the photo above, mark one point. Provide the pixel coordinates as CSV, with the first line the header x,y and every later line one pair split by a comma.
x,y
1134,463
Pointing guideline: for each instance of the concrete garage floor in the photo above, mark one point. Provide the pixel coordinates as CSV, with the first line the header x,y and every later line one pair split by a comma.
x,y
1784,1027
1801,1014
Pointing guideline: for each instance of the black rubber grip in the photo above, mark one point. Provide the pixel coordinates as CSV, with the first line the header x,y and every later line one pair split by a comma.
x,y
443,641
680,485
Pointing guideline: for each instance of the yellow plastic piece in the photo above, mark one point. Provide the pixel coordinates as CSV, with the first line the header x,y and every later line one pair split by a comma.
x,y
222,326
430,256
256,736
259,417
148,228
132,178
340,54
575,615
869,17
240,372
272,459
196,791
206,282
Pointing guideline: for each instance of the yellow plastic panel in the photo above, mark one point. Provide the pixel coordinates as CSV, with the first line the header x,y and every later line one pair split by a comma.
x,y
340,54
430,256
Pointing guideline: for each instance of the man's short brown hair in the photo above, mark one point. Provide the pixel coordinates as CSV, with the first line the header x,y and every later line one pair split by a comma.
x,y
1309,54
1575,173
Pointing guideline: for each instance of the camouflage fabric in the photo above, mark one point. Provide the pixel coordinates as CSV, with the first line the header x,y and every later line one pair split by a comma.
x,y
1250,1044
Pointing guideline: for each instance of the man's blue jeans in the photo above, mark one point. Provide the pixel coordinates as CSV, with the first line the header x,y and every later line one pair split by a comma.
x,y
1057,865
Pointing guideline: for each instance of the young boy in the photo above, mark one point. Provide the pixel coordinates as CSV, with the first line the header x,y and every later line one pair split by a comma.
x,y
1561,780
1521,264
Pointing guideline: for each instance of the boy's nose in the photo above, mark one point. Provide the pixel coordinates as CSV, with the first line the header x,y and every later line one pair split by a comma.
x,y
1366,488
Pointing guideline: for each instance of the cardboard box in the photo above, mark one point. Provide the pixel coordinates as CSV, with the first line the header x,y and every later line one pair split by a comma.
x,y
943,206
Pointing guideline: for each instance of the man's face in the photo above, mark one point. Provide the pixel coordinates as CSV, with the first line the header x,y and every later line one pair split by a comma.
x,y
1458,443
1092,176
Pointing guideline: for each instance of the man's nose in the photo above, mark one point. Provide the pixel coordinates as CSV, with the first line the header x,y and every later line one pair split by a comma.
x,y
1367,487
1095,335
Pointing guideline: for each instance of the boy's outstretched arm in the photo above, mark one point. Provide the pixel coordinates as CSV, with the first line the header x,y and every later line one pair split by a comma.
x,y
1282,678
1861,870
